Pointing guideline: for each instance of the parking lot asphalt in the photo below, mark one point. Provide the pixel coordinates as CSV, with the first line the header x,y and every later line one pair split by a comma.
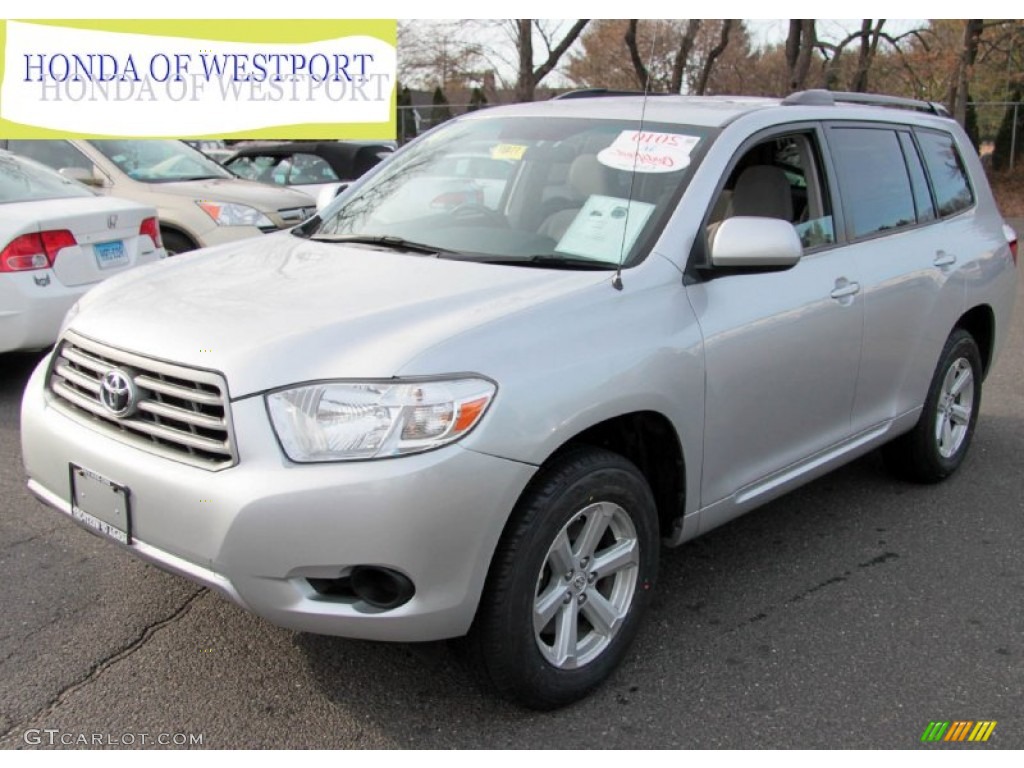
x,y
849,614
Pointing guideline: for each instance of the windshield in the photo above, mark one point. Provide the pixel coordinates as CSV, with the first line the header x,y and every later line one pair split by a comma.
x,y
23,180
520,189
160,160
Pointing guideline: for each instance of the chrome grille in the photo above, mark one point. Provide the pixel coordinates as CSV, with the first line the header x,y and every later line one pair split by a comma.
x,y
296,215
181,413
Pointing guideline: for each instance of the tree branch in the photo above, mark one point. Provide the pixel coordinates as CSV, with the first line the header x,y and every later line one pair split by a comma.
x,y
683,55
642,75
713,54
552,61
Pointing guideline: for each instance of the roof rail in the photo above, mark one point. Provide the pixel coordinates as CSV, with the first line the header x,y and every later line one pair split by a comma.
x,y
593,93
818,97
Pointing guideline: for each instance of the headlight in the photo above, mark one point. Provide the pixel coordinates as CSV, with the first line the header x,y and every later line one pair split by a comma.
x,y
234,214
338,421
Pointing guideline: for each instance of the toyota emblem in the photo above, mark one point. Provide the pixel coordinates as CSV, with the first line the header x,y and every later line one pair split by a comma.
x,y
118,393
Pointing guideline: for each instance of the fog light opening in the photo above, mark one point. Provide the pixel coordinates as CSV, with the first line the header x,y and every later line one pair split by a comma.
x,y
380,587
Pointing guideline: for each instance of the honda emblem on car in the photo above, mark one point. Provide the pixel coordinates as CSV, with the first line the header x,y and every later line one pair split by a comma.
x,y
118,393
112,221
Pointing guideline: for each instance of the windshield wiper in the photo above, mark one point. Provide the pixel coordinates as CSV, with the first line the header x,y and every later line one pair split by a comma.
x,y
383,241
549,260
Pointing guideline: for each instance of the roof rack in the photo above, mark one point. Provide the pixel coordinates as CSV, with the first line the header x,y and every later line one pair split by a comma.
x,y
592,93
818,97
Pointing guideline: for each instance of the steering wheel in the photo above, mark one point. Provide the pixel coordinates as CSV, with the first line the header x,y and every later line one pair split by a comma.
x,y
477,211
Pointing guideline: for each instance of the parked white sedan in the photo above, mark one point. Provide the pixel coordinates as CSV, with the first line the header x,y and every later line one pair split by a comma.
x,y
57,240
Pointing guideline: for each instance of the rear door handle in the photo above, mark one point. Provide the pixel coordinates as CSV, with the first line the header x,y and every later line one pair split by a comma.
x,y
842,291
943,259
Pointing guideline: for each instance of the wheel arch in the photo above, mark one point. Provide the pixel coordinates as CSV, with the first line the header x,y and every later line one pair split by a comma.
x,y
176,229
650,441
980,322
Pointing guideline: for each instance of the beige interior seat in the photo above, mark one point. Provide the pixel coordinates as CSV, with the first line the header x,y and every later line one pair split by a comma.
x,y
762,190
586,177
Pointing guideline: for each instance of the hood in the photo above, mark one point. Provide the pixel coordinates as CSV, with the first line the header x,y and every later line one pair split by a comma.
x,y
279,310
265,197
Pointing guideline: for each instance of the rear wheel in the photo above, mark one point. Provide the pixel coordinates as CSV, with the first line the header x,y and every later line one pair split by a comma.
x,y
569,582
937,445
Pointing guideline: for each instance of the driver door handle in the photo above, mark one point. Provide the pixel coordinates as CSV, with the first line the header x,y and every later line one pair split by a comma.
x,y
842,291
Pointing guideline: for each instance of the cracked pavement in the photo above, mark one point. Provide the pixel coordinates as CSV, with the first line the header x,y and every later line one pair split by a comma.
x,y
848,614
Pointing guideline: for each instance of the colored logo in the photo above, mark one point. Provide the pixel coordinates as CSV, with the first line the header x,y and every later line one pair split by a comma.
x,y
958,730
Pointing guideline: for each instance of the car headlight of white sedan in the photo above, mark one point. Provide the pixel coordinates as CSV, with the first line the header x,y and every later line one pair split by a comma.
x,y
344,420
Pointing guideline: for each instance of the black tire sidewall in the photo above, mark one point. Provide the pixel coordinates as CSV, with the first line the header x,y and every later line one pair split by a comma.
x,y
523,673
960,345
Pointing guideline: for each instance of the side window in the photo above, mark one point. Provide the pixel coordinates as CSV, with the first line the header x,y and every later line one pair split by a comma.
x,y
310,169
246,167
780,179
52,152
918,181
873,180
946,169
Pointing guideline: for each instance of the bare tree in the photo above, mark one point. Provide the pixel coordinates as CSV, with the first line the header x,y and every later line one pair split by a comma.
x,y
530,76
870,34
800,44
683,55
642,75
959,87
713,54
438,54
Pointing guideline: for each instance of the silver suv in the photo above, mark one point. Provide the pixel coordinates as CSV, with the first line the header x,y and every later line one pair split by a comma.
x,y
430,412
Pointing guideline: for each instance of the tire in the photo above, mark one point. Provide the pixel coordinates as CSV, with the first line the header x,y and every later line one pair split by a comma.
x,y
937,445
587,510
175,242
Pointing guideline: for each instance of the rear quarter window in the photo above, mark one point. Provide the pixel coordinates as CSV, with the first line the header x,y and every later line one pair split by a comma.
x,y
872,179
946,169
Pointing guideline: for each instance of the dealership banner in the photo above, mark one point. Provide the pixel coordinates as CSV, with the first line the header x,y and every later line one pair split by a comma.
x,y
198,78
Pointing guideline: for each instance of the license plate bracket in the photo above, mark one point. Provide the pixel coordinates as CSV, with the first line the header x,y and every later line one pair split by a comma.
x,y
100,504
110,254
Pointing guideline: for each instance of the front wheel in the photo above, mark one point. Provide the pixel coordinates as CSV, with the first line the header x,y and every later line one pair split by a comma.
x,y
570,580
937,445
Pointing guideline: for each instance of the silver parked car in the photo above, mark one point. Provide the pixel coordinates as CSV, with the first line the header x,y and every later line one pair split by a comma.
x,y
409,422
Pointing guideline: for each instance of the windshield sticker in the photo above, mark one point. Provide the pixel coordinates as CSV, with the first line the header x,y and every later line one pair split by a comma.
x,y
605,228
649,152
508,151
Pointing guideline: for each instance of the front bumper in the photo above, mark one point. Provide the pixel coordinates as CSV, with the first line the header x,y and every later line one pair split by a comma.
x,y
257,531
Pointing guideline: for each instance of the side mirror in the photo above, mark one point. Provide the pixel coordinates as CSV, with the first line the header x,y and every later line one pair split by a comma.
x,y
751,241
82,175
327,195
